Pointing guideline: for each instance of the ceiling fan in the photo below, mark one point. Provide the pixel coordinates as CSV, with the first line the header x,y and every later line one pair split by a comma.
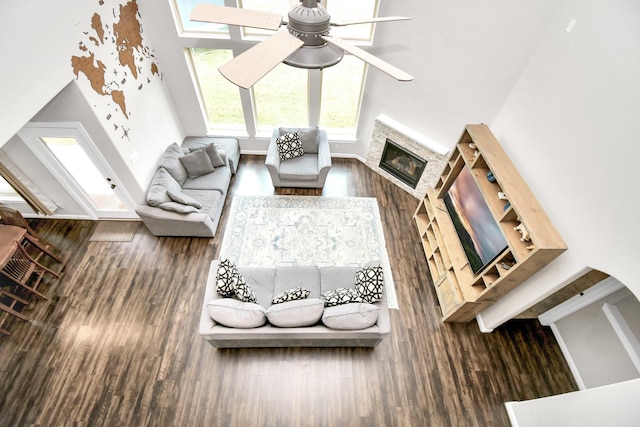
x,y
306,44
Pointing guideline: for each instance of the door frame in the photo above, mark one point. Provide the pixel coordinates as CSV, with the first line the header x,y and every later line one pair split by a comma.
x,y
31,134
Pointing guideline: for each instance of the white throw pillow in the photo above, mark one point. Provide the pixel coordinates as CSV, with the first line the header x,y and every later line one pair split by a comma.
x,y
298,313
236,314
350,316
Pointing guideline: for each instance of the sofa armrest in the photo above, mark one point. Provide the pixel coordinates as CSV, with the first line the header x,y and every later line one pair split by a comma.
x,y
324,151
272,161
206,322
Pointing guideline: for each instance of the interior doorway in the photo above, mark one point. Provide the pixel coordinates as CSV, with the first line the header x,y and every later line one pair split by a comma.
x,y
70,155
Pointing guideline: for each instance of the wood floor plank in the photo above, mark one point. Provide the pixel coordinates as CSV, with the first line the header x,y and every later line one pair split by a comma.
x,y
118,343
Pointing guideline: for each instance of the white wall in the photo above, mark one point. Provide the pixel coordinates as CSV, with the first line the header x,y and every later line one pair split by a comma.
x,y
36,40
38,66
569,126
465,55
613,405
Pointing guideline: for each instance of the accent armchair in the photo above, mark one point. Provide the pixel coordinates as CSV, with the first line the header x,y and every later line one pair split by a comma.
x,y
308,170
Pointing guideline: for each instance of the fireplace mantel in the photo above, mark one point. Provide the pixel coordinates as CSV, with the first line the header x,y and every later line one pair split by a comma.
x,y
434,153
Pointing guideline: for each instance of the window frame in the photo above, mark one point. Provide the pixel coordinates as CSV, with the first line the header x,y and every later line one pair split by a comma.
x,y
236,39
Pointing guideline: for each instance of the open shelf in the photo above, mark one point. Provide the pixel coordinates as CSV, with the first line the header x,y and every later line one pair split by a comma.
x,y
461,293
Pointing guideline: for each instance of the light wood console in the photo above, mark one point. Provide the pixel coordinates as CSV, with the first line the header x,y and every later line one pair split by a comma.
x,y
461,293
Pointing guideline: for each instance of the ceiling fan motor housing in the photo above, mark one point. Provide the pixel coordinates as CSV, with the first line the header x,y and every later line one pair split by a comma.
x,y
308,21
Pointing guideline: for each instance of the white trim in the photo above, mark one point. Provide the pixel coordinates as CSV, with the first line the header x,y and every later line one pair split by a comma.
x,y
567,355
483,328
31,133
511,413
624,333
411,134
598,291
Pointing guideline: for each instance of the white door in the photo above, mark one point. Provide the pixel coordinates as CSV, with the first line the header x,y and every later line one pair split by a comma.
x,y
70,155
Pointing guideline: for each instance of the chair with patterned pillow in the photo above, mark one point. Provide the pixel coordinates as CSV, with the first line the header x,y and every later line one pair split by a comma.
x,y
298,157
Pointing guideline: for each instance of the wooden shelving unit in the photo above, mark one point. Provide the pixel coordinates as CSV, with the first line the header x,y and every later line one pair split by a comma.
x,y
461,293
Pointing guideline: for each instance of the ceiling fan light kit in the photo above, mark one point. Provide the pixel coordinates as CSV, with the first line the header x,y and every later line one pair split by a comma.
x,y
306,44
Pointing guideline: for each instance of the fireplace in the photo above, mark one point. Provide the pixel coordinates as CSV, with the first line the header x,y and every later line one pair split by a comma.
x,y
402,163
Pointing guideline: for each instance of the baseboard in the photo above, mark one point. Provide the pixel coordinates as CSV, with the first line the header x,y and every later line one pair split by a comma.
x,y
567,356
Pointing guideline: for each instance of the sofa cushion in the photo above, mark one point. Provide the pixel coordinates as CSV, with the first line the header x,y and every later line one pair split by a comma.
x,y
227,278
370,283
216,180
197,164
236,314
178,207
161,182
185,199
301,168
350,316
209,200
293,314
308,136
337,277
170,160
291,295
340,296
289,146
261,280
289,277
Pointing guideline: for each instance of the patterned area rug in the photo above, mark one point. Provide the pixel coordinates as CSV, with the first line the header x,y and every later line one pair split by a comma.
x,y
115,231
306,230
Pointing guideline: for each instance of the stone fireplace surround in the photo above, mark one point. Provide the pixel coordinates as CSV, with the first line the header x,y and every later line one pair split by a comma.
x,y
435,154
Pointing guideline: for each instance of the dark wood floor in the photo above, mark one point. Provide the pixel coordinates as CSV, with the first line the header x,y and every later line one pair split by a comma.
x,y
118,345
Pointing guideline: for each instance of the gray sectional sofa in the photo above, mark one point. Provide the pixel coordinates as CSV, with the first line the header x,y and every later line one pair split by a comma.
x,y
270,281
183,202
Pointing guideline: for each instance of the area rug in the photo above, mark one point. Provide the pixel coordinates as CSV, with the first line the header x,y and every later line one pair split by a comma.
x,y
115,231
306,230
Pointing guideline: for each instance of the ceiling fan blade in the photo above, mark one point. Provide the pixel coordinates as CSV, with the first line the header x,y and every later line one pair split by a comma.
x,y
234,16
247,68
370,59
369,20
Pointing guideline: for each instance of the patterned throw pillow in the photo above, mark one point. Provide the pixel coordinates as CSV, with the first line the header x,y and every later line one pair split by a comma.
x,y
291,295
244,292
227,278
340,296
369,283
289,146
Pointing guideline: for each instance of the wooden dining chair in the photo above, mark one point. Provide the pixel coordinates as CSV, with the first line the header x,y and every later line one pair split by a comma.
x,y
25,271
10,310
11,216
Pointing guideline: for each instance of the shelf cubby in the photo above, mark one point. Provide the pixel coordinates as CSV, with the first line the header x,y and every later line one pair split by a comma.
x,y
461,293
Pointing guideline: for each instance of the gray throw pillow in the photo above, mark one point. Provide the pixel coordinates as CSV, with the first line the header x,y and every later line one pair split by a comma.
x,y
170,160
185,199
214,155
350,316
294,314
308,136
161,182
197,164
236,314
178,207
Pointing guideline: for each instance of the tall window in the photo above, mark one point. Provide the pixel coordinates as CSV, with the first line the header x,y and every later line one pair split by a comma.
x,y
281,98
284,95
221,98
